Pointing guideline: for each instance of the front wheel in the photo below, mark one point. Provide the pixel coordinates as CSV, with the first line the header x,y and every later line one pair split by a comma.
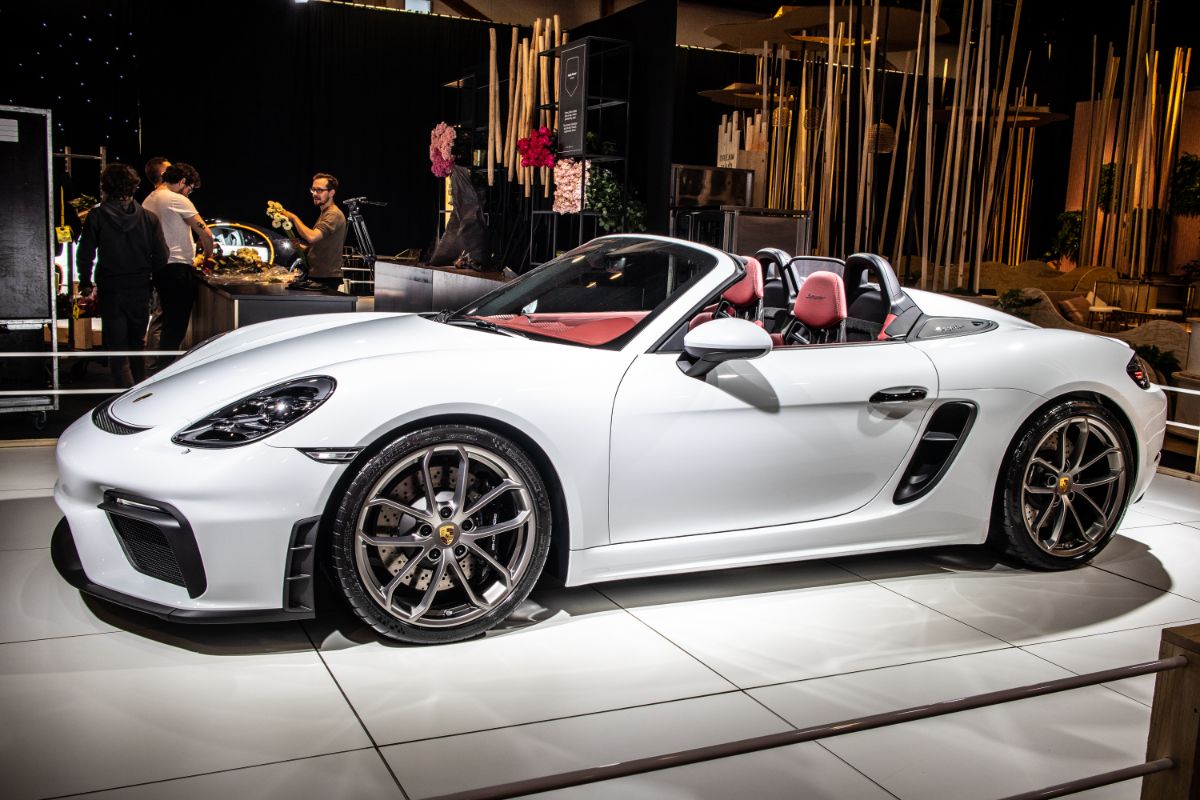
x,y
1065,486
442,534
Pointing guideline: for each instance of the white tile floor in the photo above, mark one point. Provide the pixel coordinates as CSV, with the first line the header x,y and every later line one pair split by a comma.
x,y
99,700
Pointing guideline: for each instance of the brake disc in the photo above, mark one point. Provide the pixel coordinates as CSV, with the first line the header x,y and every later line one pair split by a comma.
x,y
389,521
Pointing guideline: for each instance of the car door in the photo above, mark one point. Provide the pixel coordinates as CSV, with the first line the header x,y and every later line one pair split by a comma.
x,y
800,434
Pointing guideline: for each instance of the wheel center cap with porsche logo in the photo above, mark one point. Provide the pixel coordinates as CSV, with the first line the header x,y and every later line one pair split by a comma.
x,y
1064,484
448,533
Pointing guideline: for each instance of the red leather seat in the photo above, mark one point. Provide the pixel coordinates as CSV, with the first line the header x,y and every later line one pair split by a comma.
x,y
745,297
819,313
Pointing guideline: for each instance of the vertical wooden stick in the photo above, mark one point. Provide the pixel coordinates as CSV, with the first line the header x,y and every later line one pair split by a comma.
x,y
514,107
491,136
998,122
928,216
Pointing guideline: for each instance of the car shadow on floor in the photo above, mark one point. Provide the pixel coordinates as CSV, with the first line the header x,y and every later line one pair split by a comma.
x,y
335,626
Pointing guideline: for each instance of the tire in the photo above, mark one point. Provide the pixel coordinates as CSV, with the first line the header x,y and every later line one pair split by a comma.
x,y
411,547
1064,487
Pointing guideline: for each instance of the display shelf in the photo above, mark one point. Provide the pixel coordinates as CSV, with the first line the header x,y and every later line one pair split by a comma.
x,y
545,228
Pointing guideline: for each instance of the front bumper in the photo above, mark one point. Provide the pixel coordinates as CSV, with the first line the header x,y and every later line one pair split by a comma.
x,y
245,533
66,561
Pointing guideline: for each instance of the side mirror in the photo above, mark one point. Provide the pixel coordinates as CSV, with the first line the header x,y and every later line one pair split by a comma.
x,y
721,340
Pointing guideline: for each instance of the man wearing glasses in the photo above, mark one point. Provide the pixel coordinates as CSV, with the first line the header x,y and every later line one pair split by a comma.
x,y
326,237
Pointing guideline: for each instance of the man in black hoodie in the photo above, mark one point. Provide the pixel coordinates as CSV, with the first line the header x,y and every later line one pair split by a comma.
x,y
131,245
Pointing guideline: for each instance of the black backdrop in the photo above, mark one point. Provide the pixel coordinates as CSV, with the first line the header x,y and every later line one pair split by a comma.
x,y
259,94
256,94
650,28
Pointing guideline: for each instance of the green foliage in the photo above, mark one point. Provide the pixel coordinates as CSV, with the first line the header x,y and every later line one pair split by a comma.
x,y
1108,175
1016,303
1066,241
1185,186
617,213
1164,362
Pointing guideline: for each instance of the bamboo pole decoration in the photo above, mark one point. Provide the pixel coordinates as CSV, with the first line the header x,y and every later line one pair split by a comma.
x,y
557,44
950,165
1001,110
530,99
960,197
544,97
845,93
827,170
512,109
900,120
928,195
963,230
492,125
523,106
543,84
910,152
496,133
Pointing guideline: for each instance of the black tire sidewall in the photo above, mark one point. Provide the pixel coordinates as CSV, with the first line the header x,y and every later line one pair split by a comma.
x,y
1009,505
346,520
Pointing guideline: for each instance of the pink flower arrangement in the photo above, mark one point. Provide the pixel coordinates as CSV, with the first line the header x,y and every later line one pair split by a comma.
x,y
537,149
441,142
568,186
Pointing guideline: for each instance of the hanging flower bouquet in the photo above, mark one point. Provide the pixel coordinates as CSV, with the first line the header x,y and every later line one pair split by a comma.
x,y
537,149
568,186
441,142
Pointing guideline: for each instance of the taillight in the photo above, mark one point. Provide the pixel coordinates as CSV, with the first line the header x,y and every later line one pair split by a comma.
x,y
1137,372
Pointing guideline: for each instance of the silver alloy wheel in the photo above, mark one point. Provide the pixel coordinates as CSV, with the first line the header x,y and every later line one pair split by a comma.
x,y
445,536
1073,487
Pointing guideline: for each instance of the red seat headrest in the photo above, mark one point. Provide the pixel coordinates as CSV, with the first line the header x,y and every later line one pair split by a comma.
x,y
821,302
749,290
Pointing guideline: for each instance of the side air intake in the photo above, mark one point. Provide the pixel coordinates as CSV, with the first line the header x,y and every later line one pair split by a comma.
x,y
943,437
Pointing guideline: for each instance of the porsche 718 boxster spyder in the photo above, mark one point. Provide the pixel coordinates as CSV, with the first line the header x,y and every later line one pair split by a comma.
x,y
638,406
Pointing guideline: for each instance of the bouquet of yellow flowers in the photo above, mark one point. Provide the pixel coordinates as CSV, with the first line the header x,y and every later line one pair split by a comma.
x,y
280,220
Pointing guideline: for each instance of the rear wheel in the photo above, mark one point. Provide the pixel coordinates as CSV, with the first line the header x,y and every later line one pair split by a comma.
x,y
442,534
1065,486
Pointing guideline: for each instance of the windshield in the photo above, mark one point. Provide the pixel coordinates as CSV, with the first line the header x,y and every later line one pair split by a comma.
x,y
596,295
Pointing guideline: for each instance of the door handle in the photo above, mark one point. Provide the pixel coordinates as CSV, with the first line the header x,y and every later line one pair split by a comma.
x,y
900,394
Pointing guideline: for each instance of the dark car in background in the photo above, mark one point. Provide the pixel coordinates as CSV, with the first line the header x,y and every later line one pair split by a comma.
x,y
270,245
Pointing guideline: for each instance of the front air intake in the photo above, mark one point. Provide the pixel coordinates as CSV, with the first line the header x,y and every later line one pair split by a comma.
x,y
947,429
147,549
157,540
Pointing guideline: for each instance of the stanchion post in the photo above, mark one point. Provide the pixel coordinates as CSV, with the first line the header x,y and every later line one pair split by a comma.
x,y
1175,720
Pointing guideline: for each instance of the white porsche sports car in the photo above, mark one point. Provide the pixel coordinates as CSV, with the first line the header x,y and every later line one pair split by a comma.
x,y
638,406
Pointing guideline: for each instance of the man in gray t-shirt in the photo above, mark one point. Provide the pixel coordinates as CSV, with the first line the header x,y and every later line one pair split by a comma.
x,y
326,237
174,283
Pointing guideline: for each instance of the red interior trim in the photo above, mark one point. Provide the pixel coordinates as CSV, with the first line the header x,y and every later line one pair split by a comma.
x,y
590,328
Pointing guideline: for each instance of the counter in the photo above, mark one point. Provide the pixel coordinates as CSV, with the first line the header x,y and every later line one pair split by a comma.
x,y
416,287
223,307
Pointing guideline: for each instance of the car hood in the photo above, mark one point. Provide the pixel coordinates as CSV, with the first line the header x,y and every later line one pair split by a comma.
x,y
258,356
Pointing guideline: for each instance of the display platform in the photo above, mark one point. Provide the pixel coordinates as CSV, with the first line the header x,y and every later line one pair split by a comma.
x,y
223,307
417,287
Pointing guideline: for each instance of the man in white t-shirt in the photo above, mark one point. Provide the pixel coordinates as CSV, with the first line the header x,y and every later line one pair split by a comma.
x,y
181,225
154,170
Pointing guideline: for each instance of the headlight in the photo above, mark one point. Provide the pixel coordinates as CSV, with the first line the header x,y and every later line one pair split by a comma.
x,y
258,415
